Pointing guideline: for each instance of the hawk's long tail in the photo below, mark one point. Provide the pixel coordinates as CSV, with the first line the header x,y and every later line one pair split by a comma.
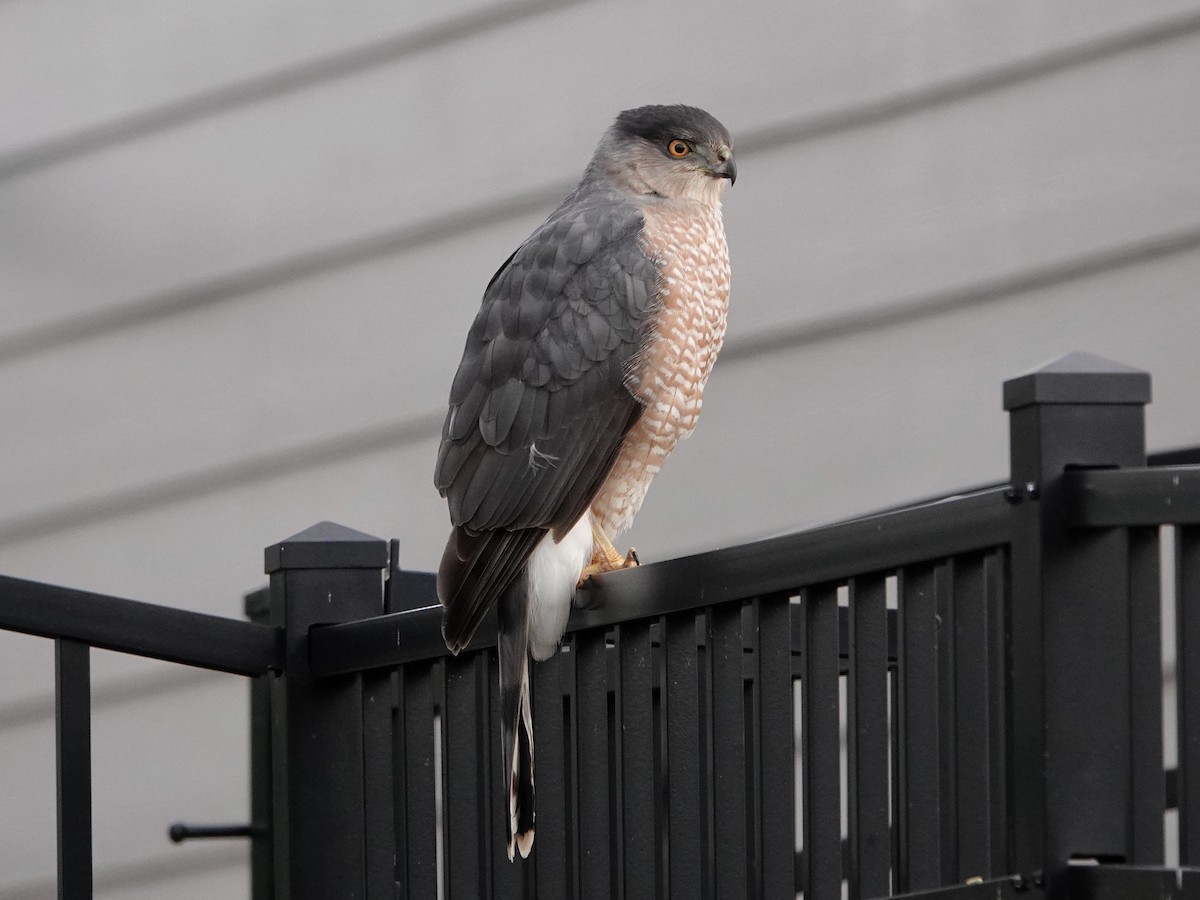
x,y
516,721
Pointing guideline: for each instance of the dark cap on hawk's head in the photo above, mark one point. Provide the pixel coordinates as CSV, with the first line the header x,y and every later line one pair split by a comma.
x,y
660,124
674,151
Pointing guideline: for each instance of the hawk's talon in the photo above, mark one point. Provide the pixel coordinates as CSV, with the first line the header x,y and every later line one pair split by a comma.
x,y
606,561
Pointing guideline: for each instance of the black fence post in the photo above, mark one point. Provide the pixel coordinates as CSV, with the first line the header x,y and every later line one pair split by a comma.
x,y
1070,740
325,574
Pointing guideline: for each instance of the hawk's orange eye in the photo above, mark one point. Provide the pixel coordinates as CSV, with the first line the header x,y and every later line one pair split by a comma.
x,y
678,148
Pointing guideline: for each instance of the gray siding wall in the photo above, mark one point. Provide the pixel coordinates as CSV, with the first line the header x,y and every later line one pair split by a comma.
x,y
240,245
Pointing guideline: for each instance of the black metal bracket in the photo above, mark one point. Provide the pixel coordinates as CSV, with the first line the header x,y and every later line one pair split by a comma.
x,y
179,832
1160,495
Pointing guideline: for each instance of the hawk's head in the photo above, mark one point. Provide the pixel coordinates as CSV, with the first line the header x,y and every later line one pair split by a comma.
x,y
679,152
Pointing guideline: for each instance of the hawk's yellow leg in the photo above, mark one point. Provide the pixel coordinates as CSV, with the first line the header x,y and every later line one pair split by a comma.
x,y
606,557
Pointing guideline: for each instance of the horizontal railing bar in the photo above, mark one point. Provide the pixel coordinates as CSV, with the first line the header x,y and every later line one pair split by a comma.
x,y
831,553
1016,887
142,629
1177,456
387,640
1114,881
1011,887
1163,495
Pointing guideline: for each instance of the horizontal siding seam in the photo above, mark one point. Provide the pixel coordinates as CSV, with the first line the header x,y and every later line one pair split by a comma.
x,y
34,710
896,312
268,86
317,261
287,80
204,482
160,869
1002,77
426,426
298,267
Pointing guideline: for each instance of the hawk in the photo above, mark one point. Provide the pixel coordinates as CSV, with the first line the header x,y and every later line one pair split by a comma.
x,y
585,364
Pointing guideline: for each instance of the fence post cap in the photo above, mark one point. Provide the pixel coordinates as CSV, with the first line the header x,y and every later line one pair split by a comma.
x,y
1078,378
327,545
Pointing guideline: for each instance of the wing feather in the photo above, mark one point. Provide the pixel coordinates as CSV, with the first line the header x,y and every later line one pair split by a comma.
x,y
539,405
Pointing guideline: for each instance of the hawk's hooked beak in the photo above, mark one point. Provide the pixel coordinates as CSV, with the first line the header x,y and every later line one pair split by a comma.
x,y
725,166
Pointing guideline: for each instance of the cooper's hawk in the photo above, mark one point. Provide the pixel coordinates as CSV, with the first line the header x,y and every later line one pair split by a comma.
x,y
584,366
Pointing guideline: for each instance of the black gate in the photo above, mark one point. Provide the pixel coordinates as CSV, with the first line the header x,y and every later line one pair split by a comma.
x,y
963,697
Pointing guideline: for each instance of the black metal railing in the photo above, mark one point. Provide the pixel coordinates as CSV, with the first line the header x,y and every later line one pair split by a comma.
x,y
641,786
963,696
77,621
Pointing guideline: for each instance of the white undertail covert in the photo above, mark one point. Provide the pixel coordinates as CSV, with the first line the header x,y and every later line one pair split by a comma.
x,y
553,573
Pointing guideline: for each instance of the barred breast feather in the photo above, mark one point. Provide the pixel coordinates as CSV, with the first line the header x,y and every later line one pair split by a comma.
x,y
686,239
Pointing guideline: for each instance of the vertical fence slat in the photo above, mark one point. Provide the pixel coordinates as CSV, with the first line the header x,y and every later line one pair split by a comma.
x,y
467,829
638,786
869,836
73,740
1187,669
894,743
400,785
1146,708
995,577
685,759
821,744
552,856
262,863
971,719
415,768
943,587
597,868
378,815
918,817
730,759
775,738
